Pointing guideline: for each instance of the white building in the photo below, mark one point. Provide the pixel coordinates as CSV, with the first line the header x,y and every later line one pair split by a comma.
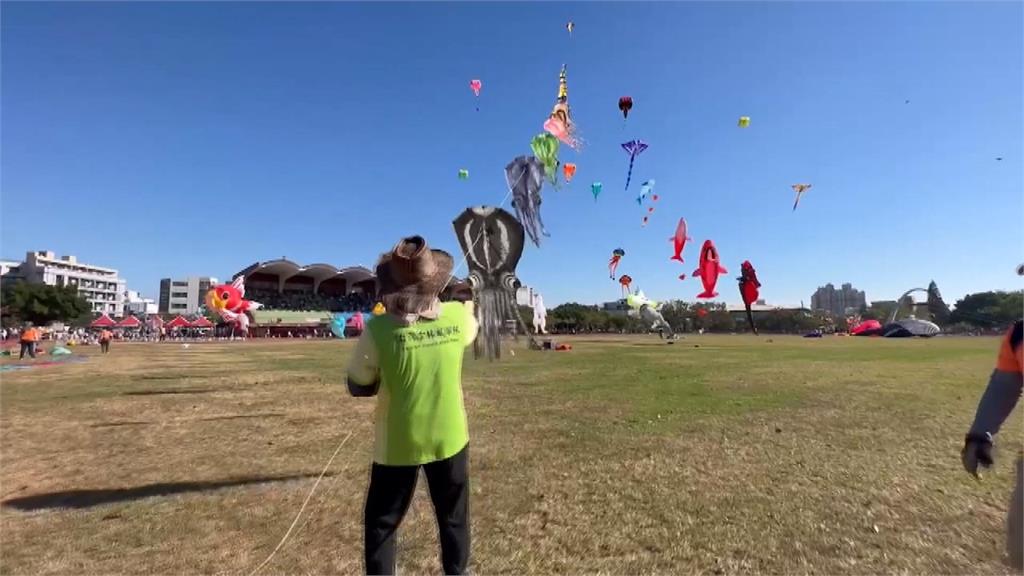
x,y
184,295
134,303
100,286
524,296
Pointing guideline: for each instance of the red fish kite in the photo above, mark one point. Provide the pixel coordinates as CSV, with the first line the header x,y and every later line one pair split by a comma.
x,y
679,240
709,269
749,286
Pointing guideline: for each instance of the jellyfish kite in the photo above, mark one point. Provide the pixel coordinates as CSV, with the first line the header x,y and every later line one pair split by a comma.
x,y
475,86
799,189
525,176
613,264
633,148
749,286
559,124
545,149
595,189
625,281
568,171
625,104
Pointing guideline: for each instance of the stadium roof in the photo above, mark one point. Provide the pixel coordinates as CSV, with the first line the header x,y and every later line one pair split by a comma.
x,y
286,268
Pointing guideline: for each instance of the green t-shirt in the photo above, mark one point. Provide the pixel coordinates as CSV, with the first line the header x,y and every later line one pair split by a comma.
x,y
420,413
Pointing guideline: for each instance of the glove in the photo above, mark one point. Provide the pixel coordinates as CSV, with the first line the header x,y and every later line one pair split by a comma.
x,y
977,450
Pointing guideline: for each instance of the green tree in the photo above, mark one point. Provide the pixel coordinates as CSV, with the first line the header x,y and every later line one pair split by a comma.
x,y
991,310
936,306
42,304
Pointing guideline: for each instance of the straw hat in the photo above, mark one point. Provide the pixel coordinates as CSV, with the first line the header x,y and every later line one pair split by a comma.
x,y
412,275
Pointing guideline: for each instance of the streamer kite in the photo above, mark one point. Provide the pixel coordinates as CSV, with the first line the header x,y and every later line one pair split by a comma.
x,y
634,148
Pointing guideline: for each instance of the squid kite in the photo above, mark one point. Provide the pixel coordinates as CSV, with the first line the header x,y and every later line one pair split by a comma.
x,y
545,148
595,189
524,176
559,124
633,148
613,264
749,290
799,189
568,171
625,104
625,281
492,242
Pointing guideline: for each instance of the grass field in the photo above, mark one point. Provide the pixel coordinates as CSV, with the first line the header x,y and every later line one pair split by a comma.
x,y
718,455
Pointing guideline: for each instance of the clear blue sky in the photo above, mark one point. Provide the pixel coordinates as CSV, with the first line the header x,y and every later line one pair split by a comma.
x,y
198,138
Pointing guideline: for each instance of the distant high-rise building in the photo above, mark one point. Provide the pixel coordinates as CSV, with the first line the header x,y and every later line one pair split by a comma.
x,y
184,295
838,302
100,286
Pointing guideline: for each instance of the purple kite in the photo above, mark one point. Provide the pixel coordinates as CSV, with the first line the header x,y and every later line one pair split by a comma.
x,y
633,148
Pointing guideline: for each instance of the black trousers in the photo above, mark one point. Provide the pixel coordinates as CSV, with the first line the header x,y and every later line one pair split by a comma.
x,y
105,346
27,346
389,496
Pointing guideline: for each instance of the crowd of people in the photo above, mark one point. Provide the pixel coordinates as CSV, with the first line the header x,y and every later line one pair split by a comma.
x,y
307,301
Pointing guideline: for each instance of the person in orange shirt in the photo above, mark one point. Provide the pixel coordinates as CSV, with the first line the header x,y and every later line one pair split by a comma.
x,y
105,337
1000,397
29,337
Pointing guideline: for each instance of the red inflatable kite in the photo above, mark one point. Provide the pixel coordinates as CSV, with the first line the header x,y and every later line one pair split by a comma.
x,y
749,290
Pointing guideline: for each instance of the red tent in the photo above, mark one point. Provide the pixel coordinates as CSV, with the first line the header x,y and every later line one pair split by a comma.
x,y
129,322
201,322
178,322
103,321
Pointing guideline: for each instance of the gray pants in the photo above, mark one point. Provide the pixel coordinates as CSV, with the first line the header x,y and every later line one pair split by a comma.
x,y
1015,521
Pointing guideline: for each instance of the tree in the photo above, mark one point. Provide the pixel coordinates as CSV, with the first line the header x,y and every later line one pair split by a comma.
x,y
42,304
991,310
936,306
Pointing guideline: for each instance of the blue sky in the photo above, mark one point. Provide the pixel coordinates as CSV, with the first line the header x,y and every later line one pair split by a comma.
x,y
197,138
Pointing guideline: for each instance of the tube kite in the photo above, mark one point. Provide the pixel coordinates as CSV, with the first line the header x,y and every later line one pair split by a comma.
x,y
545,148
524,176
749,286
613,264
633,148
625,104
799,189
568,171
559,124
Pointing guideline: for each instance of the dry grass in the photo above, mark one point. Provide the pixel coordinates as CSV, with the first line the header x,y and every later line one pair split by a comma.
x,y
715,455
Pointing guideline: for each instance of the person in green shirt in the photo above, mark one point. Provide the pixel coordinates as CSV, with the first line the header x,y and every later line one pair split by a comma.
x,y
411,359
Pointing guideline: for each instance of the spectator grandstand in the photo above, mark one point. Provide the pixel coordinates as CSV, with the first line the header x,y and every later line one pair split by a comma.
x,y
284,285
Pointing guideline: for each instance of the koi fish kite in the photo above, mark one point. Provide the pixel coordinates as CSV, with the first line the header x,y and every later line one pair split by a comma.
x,y
613,264
679,241
229,301
633,148
749,286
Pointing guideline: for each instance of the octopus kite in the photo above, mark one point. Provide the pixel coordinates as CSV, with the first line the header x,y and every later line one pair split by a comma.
x,y
568,171
229,301
749,290
560,124
545,148
613,264
525,176
625,281
492,242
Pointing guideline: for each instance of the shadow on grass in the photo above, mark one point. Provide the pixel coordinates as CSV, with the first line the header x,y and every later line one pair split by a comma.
x,y
90,498
171,391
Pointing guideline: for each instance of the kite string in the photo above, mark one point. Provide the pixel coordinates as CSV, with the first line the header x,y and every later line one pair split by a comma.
x,y
304,503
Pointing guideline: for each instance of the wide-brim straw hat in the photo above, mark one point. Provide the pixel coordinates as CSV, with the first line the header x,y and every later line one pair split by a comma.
x,y
412,275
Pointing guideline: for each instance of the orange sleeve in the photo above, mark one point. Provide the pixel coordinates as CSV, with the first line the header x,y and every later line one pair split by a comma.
x,y
1010,360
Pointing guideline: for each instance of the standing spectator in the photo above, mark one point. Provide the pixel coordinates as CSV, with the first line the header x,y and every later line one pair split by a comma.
x,y
3,334
29,337
105,337
413,355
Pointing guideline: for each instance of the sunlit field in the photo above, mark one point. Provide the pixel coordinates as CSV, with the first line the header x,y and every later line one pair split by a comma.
x,y
718,454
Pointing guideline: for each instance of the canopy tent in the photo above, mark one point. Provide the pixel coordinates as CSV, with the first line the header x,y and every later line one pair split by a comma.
x,y
178,322
201,322
103,321
129,322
